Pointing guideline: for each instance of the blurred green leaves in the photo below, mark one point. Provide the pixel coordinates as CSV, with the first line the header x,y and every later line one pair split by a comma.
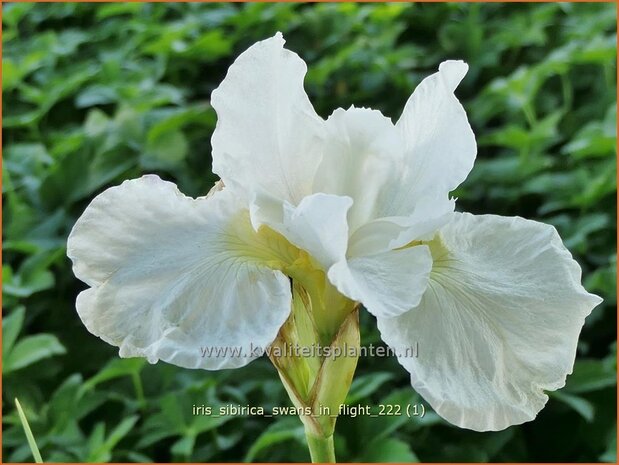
x,y
97,93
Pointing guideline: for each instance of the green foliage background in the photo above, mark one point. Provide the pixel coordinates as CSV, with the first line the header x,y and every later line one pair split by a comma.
x,y
97,93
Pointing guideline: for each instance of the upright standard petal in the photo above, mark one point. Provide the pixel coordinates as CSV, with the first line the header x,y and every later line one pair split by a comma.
x,y
268,136
440,144
498,324
178,279
365,159
363,154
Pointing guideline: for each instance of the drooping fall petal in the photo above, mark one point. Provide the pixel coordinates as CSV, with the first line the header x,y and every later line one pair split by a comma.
x,y
171,276
498,324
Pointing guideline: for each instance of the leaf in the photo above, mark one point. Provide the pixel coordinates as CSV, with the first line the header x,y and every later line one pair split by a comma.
x,y
96,440
96,95
114,9
209,46
184,446
103,453
389,450
38,281
11,75
115,368
590,375
610,455
582,406
11,326
364,386
29,436
12,13
63,404
172,119
30,350
284,430
165,150
96,123
80,174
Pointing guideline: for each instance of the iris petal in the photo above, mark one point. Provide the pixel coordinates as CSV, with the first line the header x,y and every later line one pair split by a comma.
x,y
173,277
498,324
268,137
389,283
440,144
318,224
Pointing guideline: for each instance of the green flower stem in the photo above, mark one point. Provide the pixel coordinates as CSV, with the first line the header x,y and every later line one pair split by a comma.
x,y
317,382
321,448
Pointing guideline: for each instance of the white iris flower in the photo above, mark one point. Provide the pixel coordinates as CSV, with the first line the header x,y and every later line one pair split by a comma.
x,y
351,209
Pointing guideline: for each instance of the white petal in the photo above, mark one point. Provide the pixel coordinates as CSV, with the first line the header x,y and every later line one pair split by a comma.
x,y
498,324
365,159
429,213
171,276
317,225
389,283
440,143
268,136
363,153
